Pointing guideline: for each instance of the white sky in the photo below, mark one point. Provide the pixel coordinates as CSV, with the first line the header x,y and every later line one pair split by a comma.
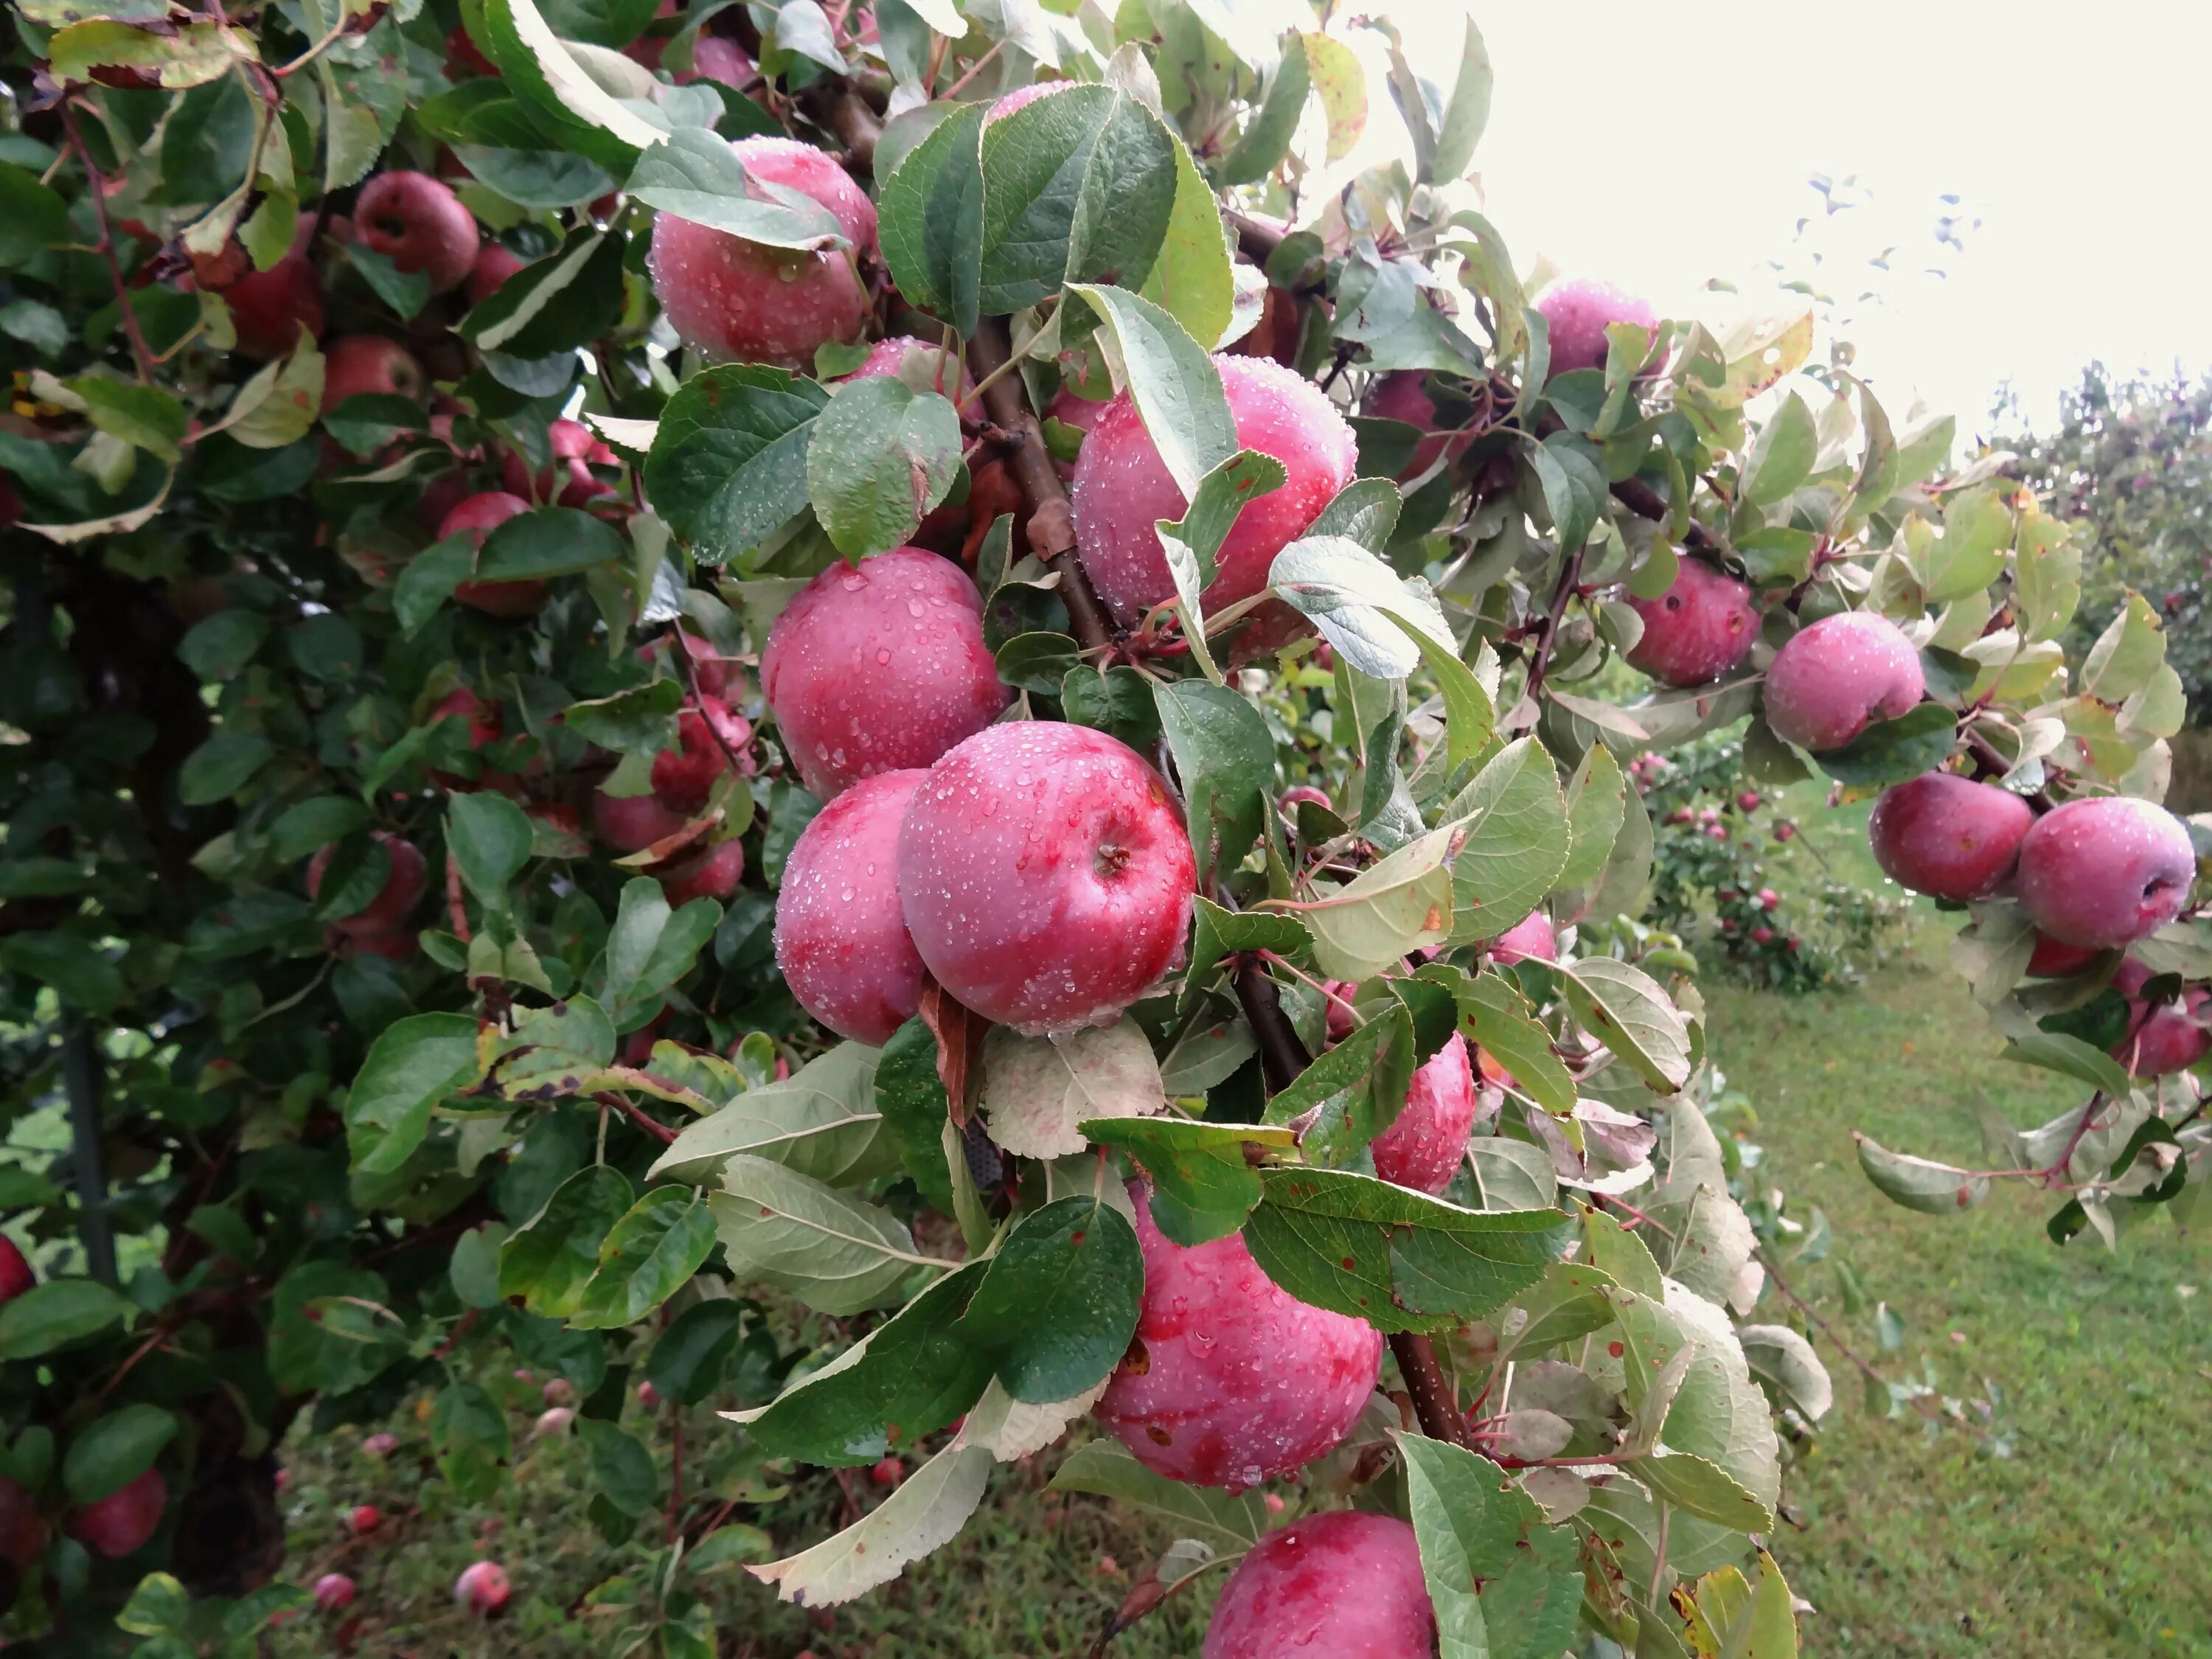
x,y
2077,135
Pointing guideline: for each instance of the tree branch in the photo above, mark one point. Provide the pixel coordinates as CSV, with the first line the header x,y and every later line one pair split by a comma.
x,y
1645,502
143,356
1051,525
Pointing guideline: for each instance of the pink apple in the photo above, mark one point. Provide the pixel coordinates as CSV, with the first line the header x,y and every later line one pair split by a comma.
x,y
1404,396
482,1589
1123,488
879,667
715,58
420,225
1577,313
1045,875
120,1523
1699,629
380,1445
923,365
1948,837
1340,1585
1830,682
731,299
552,1422
841,937
1529,939
2105,872
647,1395
1230,1380
334,1591
475,517
354,364
1428,1140
495,263
402,891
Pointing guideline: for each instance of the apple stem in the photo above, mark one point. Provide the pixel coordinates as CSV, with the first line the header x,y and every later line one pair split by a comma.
x,y
1051,527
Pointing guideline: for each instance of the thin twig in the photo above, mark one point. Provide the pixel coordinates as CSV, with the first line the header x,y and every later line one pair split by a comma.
x,y
92,174
659,1131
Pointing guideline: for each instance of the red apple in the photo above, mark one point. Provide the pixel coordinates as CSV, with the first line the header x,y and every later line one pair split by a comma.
x,y
482,1589
1404,396
1700,629
841,937
2105,871
2053,959
1230,1380
569,480
1577,313
1529,939
732,299
879,667
16,1274
387,913
1425,1144
23,1532
649,1396
1948,837
495,263
1341,1585
364,1519
354,364
333,1591
712,873
1830,682
120,1523
2164,1037
922,364
1045,875
630,823
1123,488
1082,414
683,777
420,225
887,1472
268,308
475,517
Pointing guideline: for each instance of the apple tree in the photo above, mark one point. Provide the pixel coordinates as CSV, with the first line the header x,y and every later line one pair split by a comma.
x,y
967,667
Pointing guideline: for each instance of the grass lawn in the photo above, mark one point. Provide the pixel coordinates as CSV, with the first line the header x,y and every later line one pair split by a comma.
x,y
2060,1515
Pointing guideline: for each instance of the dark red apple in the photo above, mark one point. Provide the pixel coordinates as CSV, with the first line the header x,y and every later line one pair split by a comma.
x,y
120,1523
387,913
1340,1585
420,225
1428,1140
841,936
2105,872
1948,837
1700,629
475,517
354,364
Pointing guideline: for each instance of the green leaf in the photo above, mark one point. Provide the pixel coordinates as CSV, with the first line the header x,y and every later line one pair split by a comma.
x,y
77,969
1782,457
687,1363
909,1377
549,1259
1717,1412
930,220
695,176
1691,1484
550,541
58,1313
1496,1016
1624,1009
639,721
1194,279
1518,840
115,1450
2070,1056
1398,905
649,948
1890,752
562,95
837,1254
1597,801
1417,1263
2127,654
567,299
1229,1522
1575,489
649,1255
33,216
727,465
1118,702
882,456
1464,118
1353,1091
1265,139
1058,1305
621,1468
1364,511
1473,1524
1202,1187
221,647
1222,495
1170,377
177,56
490,838
1971,553
910,1097
469,1438
1219,931
823,1121
222,766
1226,761
1378,619
414,1064
474,1269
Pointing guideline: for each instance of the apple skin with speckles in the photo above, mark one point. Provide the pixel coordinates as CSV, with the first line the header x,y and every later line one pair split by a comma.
x,y
1425,1144
879,667
1344,1585
2105,872
1832,680
1700,629
841,936
1529,939
1947,836
741,302
1577,313
1232,1381
1045,876
1123,488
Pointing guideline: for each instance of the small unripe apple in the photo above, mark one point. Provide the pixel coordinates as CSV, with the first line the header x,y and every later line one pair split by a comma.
x,y
1230,1380
1682,815
887,1472
1404,396
120,1523
1831,681
495,263
1785,831
711,872
364,1519
879,667
1423,1146
841,936
647,1395
1716,832
482,1589
355,364
1341,1585
1700,629
559,1391
732,299
1948,837
16,1274
402,891
1045,876
1747,802
1529,939
553,1421
476,518
1123,488
2105,871
333,1591
1762,934
1577,313
420,225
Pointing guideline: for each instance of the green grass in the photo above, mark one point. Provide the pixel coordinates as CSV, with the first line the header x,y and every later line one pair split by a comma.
x,y
2060,1514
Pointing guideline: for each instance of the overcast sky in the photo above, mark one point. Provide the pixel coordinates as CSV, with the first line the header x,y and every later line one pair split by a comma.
x,y
1662,144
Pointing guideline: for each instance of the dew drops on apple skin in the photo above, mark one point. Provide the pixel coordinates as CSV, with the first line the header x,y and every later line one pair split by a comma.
x,y
841,936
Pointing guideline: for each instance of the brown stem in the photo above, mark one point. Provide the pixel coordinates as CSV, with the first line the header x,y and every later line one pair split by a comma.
x,y
457,911
93,175
1989,763
1641,499
1255,240
1571,575
847,113
1051,525
1432,1393
659,1131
